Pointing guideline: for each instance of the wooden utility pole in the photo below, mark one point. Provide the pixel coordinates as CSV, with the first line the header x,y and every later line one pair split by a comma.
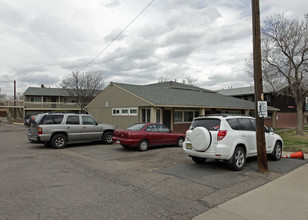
x,y
260,136
14,109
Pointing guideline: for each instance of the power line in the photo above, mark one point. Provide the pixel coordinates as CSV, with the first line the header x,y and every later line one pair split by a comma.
x,y
148,5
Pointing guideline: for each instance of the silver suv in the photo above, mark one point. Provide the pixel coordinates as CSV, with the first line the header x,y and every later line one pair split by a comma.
x,y
228,138
58,129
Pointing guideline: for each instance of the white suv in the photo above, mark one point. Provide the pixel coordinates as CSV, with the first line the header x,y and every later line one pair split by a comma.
x,y
228,138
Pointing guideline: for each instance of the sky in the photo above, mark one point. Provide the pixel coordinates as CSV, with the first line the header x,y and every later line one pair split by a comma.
x,y
43,41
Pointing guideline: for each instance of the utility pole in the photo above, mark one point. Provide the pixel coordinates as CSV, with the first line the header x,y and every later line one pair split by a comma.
x,y
14,109
260,136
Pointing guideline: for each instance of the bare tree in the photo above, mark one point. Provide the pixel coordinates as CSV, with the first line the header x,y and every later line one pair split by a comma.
x,y
285,59
84,86
190,81
187,80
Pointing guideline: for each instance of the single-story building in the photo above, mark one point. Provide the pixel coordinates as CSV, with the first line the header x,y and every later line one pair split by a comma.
x,y
170,103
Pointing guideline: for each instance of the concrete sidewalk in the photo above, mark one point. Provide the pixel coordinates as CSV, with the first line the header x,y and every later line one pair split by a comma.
x,y
283,198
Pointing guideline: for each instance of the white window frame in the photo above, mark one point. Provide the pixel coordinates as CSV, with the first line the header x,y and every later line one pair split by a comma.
x,y
133,114
119,112
124,109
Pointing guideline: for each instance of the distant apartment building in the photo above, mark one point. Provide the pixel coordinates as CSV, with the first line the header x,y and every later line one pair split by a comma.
x,y
39,99
286,117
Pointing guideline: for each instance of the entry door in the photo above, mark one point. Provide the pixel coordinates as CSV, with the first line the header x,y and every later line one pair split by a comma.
x,y
167,118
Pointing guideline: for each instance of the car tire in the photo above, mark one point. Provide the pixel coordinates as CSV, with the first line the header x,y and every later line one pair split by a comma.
x,y
180,142
107,137
199,160
58,141
276,154
238,159
201,139
143,145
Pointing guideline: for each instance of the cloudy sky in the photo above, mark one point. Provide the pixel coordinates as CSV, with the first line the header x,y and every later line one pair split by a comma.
x,y
42,41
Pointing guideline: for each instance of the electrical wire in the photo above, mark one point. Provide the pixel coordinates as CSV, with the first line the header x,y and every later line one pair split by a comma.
x,y
148,5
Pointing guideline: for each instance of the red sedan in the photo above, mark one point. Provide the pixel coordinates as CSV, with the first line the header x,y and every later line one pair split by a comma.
x,y
143,135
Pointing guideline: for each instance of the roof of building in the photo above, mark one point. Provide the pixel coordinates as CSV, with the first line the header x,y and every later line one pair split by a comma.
x,y
249,90
39,91
178,94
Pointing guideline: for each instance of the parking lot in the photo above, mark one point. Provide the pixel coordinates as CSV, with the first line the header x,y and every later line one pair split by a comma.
x,y
96,181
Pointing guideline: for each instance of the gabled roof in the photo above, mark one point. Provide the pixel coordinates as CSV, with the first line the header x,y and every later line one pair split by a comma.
x,y
38,91
178,94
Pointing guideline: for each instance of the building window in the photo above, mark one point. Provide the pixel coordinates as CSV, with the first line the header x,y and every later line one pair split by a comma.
x,y
115,111
133,111
185,116
35,99
178,116
124,111
188,116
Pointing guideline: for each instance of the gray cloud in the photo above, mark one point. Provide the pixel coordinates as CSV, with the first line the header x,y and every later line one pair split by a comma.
x,y
208,40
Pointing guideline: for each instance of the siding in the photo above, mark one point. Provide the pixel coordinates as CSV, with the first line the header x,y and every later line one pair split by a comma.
x,y
115,97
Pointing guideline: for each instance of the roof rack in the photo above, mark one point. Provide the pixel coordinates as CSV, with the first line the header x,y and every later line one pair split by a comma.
x,y
223,115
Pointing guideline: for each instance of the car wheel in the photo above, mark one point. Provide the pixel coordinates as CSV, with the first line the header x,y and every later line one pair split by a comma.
x,y
276,154
143,145
239,159
180,142
107,137
198,160
58,141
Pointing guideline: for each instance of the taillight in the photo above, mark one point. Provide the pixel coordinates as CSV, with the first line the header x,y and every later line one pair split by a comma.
x,y
40,130
221,134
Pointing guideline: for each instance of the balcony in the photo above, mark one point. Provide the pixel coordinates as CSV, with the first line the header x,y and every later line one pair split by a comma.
x,y
12,103
51,105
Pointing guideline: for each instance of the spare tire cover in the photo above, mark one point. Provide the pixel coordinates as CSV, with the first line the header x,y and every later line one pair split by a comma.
x,y
201,139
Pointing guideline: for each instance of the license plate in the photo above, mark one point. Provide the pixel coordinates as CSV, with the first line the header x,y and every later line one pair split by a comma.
x,y
118,142
188,146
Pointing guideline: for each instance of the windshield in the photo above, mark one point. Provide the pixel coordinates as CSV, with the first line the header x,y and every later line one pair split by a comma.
x,y
211,124
136,127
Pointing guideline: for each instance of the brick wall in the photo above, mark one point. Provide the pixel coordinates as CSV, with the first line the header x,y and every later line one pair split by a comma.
x,y
181,127
286,120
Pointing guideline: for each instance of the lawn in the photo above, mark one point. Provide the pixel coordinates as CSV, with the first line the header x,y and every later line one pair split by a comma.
x,y
293,142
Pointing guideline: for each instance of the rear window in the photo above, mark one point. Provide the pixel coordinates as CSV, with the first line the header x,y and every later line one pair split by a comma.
x,y
136,127
211,124
52,119
37,118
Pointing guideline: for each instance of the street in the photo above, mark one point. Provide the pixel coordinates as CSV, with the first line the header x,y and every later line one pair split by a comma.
x,y
97,181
